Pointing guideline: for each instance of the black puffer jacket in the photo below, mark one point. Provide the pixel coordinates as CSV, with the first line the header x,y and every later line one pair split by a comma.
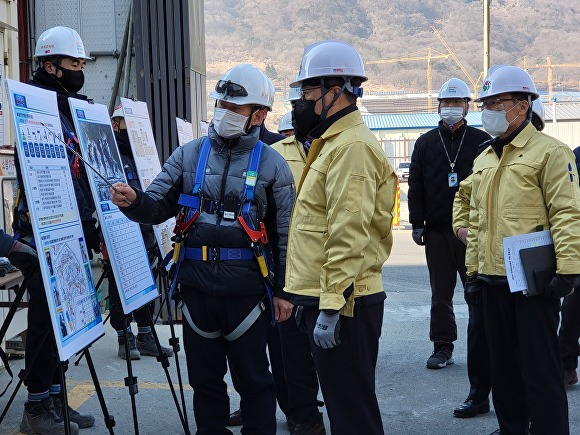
x,y
81,185
430,197
225,175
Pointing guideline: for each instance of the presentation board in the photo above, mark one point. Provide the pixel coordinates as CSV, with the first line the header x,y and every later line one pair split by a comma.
x,y
146,161
184,131
58,232
125,246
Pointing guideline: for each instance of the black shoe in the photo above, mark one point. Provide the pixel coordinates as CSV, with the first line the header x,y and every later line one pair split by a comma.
x,y
82,420
471,408
440,358
313,426
147,346
133,352
41,418
235,418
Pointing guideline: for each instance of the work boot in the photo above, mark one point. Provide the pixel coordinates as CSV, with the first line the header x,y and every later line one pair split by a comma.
x,y
313,426
570,377
235,418
440,358
147,346
82,420
41,418
133,352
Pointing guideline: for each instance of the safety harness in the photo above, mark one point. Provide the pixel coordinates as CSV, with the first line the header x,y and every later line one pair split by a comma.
x,y
192,206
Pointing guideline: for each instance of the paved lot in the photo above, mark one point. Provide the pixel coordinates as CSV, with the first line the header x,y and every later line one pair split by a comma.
x,y
413,399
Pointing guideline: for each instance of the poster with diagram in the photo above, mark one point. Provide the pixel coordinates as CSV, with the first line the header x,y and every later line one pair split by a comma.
x,y
146,161
184,131
123,239
58,233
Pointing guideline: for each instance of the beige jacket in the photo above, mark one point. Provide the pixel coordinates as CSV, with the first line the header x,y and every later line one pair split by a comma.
x,y
293,152
340,231
534,184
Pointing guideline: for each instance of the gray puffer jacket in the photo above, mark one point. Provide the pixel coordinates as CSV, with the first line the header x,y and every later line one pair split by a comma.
x,y
225,176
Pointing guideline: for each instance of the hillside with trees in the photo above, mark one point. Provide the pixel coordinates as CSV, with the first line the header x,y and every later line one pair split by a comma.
x,y
273,33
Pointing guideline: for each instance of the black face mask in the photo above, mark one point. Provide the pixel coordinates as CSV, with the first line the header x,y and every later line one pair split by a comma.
x,y
122,136
71,80
304,118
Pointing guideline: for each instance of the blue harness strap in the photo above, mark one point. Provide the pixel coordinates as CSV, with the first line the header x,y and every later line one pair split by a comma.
x,y
192,202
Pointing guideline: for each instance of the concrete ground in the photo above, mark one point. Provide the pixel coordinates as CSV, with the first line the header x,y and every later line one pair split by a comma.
x,y
412,398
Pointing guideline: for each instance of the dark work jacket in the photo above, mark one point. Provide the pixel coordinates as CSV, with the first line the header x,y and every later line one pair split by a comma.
x,y
83,195
133,181
430,197
268,137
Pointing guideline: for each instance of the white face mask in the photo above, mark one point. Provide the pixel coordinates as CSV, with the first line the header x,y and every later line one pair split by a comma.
x,y
495,122
451,115
228,124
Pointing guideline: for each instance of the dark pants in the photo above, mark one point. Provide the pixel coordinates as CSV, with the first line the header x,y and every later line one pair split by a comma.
x,y
206,364
478,359
300,371
570,331
445,259
347,372
526,371
277,364
141,315
43,370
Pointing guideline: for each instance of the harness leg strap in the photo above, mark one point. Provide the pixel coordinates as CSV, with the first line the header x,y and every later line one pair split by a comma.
x,y
240,330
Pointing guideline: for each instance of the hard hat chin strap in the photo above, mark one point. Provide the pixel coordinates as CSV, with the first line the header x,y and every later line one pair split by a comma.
x,y
323,91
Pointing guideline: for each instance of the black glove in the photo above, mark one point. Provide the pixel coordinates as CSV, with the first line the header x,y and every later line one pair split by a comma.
x,y
561,286
23,257
92,238
299,317
472,291
419,236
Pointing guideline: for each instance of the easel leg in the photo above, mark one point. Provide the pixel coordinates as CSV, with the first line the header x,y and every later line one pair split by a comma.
x,y
130,380
22,375
174,342
164,360
63,398
109,419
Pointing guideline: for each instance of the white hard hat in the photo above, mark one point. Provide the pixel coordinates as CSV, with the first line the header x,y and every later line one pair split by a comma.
x,y
60,41
245,84
538,114
507,79
331,59
118,112
286,123
454,88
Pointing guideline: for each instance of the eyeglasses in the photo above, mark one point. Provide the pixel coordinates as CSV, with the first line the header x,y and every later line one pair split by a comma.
x,y
496,103
226,87
307,92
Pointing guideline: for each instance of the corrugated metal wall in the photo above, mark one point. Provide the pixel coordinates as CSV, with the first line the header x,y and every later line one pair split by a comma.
x,y
168,68
165,32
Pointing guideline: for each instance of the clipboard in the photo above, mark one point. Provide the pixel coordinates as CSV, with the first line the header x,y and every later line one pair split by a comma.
x,y
539,264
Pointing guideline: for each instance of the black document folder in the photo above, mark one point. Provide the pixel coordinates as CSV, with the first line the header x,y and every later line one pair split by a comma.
x,y
539,265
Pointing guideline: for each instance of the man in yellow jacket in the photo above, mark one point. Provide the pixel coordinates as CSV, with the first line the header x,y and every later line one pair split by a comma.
x,y
523,182
340,235
299,368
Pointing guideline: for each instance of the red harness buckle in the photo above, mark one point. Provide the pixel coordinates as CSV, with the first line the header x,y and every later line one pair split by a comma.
x,y
254,235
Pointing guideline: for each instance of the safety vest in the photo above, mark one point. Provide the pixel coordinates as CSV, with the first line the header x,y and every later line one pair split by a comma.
x,y
192,206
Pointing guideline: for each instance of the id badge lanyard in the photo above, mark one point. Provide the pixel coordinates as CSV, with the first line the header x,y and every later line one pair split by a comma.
x,y
452,178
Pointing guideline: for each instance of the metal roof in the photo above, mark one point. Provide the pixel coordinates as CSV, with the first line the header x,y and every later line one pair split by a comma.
x,y
565,111
411,121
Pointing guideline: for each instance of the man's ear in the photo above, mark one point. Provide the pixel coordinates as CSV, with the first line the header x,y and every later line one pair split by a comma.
x,y
49,67
260,116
